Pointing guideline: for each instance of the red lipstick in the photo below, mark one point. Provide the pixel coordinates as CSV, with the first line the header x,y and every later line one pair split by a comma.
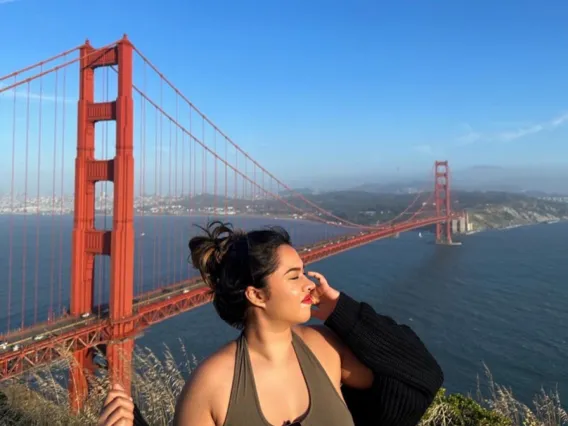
x,y
308,299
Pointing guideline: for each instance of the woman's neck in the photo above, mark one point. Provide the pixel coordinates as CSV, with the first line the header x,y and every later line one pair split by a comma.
x,y
270,343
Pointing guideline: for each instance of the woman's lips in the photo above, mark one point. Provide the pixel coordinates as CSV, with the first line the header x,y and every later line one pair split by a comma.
x,y
308,300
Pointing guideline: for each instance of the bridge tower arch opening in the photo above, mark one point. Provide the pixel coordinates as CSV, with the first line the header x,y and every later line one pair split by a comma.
x,y
442,201
118,242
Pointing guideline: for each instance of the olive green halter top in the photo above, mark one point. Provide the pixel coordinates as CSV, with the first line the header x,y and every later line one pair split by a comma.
x,y
326,407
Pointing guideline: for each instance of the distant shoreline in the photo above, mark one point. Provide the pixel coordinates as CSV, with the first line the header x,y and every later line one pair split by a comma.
x,y
520,225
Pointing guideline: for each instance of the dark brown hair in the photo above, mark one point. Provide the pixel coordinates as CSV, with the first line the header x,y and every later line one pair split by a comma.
x,y
231,260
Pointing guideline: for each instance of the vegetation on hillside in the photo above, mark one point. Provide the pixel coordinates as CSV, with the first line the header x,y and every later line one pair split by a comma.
x,y
486,209
158,382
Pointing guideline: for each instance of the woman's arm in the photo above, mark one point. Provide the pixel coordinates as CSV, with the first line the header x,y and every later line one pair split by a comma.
x,y
405,376
193,407
384,346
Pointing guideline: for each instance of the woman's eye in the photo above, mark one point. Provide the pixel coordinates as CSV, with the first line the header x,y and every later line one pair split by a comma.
x,y
294,278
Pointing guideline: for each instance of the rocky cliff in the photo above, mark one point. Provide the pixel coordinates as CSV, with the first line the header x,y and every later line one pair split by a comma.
x,y
526,212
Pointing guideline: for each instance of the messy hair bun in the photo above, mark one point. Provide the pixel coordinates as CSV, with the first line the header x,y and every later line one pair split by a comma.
x,y
208,251
231,260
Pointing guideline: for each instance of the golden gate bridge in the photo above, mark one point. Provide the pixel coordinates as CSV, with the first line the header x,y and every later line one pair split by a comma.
x,y
99,283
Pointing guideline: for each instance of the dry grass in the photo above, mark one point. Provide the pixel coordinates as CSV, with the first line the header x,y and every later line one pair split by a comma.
x,y
41,398
497,408
547,409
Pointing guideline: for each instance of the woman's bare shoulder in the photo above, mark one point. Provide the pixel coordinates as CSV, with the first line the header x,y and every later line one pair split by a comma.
x,y
320,338
209,385
325,346
218,364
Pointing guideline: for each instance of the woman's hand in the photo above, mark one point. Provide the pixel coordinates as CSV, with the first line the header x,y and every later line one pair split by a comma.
x,y
325,297
118,409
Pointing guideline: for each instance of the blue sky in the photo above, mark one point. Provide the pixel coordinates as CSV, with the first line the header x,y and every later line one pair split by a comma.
x,y
321,89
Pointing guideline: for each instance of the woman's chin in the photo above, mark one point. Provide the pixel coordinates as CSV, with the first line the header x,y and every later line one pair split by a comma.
x,y
305,316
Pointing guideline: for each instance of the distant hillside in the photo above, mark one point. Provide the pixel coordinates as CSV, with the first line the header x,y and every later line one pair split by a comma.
x,y
548,179
303,191
489,209
531,181
392,187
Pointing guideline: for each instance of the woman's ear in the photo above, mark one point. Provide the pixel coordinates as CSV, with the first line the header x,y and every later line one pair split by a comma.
x,y
256,296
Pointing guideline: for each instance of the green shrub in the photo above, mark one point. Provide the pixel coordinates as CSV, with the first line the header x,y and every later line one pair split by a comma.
x,y
460,410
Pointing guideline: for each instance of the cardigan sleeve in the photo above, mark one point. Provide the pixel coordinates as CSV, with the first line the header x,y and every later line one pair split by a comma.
x,y
406,375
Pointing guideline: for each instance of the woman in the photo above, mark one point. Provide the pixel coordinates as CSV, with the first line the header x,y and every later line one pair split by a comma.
x,y
359,368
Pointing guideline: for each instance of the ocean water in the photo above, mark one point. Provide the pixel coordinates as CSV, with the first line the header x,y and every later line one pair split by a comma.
x,y
499,299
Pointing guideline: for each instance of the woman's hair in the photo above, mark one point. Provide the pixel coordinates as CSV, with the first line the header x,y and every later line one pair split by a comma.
x,y
231,260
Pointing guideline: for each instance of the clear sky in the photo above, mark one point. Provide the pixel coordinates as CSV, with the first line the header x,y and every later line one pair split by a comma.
x,y
341,88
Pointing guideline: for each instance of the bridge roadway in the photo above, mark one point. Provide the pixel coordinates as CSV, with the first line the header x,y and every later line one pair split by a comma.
x,y
47,342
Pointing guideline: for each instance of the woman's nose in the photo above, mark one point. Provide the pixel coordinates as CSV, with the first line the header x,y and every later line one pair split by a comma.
x,y
309,285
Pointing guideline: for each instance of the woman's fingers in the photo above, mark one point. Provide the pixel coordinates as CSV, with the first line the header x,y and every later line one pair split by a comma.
x,y
323,282
116,394
118,408
121,413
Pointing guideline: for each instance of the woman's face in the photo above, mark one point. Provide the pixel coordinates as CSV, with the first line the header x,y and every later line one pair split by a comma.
x,y
288,287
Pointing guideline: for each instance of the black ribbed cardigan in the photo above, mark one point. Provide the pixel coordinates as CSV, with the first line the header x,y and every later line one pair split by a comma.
x,y
406,375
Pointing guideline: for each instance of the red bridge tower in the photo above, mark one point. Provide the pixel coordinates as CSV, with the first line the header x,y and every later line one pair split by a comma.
x,y
88,241
443,202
